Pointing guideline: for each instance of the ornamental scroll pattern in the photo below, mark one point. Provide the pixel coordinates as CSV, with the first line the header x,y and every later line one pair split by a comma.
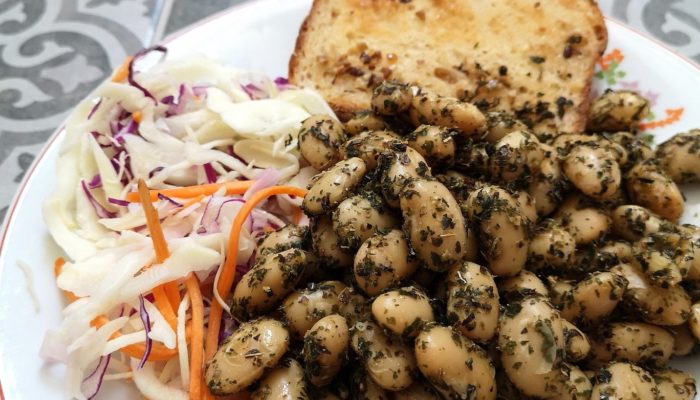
x,y
52,54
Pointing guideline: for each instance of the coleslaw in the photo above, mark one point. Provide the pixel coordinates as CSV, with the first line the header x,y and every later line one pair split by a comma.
x,y
204,139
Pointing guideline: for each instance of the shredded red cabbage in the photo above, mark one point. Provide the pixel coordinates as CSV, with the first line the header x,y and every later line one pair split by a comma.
x,y
92,383
137,56
118,202
94,108
254,92
233,154
202,229
95,182
212,224
228,325
210,172
175,106
116,164
101,211
283,83
169,200
146,319
115,127
154,171
221,206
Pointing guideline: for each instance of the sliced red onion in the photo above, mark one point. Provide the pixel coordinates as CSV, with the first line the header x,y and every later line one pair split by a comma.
x,y
268,177
146,319
169,200
101,211
137,56
92,383
118,202
210,172
95,182
169,99
94,108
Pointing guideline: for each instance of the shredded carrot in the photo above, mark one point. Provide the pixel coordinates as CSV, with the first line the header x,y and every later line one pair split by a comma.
x,y
153,222
228,274
166,303
137,115
122,72
58,265
197,346
158,351
235,187
192,284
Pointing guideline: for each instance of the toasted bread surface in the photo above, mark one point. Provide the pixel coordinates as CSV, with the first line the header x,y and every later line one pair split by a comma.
x,y
534,58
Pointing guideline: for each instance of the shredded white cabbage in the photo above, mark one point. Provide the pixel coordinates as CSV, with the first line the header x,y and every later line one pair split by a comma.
x,y
182,343
205,123
148,383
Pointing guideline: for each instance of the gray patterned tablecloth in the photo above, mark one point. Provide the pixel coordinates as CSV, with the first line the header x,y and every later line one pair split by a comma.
x,y
53,52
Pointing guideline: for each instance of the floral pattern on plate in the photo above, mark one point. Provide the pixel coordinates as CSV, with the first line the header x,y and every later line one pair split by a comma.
x,y
611,74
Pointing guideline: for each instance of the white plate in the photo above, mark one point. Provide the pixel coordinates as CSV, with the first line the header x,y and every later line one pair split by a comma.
x,y
260,36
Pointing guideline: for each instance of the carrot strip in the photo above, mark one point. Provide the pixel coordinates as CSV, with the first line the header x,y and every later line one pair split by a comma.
x,y
137,115
197,344
122,71
235,187
172,292
228,274
163,302
58,265
153,222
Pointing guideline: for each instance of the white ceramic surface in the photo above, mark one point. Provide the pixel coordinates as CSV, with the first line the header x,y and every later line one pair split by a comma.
x,y
257,36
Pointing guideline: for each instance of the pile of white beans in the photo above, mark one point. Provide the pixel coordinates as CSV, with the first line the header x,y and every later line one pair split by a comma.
x,y
454,254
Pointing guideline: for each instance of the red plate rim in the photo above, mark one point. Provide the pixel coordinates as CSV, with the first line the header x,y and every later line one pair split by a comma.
x,y
54,136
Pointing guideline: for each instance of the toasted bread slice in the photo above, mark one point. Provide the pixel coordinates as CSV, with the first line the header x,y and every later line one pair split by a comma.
x,y
534,58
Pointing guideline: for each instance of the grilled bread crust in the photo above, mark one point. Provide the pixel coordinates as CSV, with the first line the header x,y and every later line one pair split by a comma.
x,y
533,58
